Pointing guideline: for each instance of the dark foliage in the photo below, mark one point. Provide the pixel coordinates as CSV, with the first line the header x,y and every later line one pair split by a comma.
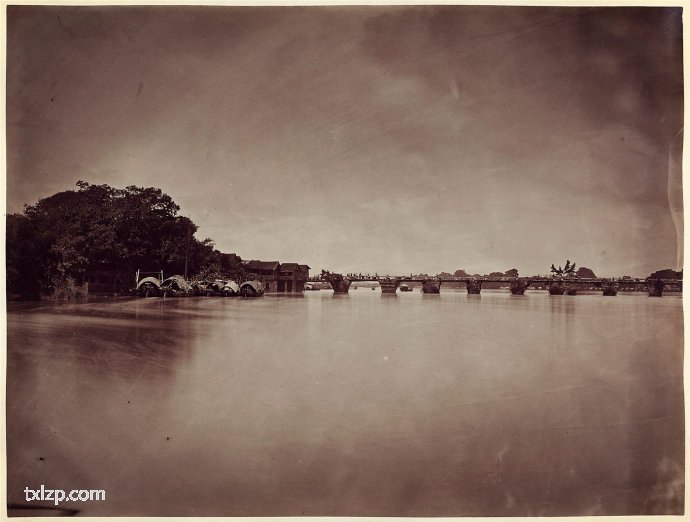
x,y
567,270
585,273
666,273
98,229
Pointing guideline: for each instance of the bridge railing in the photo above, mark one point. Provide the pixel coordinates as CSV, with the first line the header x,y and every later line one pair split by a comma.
x,y
488,279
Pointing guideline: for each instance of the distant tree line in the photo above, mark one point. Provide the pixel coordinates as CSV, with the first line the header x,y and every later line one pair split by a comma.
x,y
100,229
666,273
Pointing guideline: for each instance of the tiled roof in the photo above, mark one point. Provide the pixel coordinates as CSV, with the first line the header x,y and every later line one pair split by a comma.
x,y
293,267
262,265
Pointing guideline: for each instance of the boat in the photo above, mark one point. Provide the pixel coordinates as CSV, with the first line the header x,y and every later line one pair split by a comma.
x,y
404,287
311,286
199,287
215,287
253,288
149,286
230,289
176,286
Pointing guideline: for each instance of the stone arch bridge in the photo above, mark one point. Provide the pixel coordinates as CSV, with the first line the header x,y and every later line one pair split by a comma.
x,y
517,285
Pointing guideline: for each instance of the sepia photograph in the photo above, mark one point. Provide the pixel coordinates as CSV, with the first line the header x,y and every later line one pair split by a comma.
x,y
344,260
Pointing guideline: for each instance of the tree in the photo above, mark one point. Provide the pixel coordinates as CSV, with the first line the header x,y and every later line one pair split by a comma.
x,y
566,271
666,273
26,262
99,228
513,272
585,273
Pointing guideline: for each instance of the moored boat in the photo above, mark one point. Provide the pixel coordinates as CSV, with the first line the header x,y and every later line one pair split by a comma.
x,y
404,287
230,289
215,287
176,286
148,287
199,287
253,288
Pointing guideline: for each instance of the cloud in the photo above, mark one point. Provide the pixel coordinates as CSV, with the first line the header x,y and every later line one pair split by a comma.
x,y
466,131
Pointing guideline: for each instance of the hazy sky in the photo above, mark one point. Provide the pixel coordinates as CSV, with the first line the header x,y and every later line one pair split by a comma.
x,y
389,139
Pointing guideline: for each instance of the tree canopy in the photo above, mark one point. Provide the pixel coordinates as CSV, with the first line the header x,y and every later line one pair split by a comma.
x,y
666,273
567,270
99,228
585,273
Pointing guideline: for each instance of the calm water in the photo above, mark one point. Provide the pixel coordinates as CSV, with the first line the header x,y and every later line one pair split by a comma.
x,y
360,404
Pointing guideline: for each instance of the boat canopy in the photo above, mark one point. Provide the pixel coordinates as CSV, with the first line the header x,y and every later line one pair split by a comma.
x,y
216,285
150,280
253,287
176,282
231,286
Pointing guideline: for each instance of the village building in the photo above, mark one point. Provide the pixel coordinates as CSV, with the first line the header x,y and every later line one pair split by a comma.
x,y
292,277
266,271
230,263
277,277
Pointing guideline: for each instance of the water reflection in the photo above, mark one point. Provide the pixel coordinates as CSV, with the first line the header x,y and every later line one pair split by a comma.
x,y
118,346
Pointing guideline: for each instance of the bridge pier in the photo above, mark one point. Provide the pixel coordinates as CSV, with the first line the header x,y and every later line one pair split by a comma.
x,y
431,286
389,286
518,286
655,288
556,289
555,285
609,289
474,287
340,284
